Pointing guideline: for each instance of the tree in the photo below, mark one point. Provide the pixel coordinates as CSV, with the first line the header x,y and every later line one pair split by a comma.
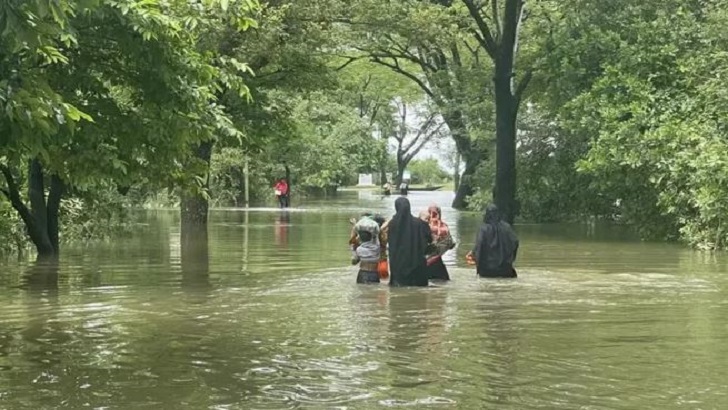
x,y
219,33
113,91
410,139
333,142
283,52
634,94
428,171
424,42
32,110
499,39
371,89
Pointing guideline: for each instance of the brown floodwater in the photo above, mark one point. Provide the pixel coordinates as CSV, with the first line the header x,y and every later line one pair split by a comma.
x,y
263,313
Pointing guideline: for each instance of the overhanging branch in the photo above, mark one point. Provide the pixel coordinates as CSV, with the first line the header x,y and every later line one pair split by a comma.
x,y
404,52
349,60
398,69
423,142
485,37
423,130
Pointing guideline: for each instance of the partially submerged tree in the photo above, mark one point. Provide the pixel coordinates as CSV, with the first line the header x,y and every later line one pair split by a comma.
x,y
219,33
114,91
497,33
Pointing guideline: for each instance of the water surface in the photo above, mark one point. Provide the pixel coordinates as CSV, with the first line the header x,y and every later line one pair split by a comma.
x,y
265,314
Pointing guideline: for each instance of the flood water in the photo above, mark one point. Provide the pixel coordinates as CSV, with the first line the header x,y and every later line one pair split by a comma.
x,y
266,315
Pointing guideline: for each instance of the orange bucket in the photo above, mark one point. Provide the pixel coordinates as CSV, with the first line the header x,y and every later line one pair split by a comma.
x,y
383,269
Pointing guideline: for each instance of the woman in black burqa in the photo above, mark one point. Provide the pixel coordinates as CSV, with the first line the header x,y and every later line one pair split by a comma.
x,y
495,247
408,240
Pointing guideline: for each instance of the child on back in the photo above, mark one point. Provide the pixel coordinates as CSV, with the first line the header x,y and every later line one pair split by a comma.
x,y
367,256
366,250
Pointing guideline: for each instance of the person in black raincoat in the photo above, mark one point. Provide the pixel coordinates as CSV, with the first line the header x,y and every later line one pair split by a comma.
x,y
495,247
408,241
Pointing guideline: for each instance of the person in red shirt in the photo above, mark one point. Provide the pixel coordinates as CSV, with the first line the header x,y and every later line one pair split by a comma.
x,y
281,191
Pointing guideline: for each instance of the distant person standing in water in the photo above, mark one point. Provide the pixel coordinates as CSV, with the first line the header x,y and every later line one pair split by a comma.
x,y
495,247
281,190
403,188
408,241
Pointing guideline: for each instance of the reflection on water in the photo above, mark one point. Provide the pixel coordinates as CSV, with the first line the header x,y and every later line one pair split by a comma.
x,y
283,220
261,312
42,275
195,260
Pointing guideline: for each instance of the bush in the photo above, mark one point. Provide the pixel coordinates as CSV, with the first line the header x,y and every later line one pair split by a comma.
x,y
96,216
12,230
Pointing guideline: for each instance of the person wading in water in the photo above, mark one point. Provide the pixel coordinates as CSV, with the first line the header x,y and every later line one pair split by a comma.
x,y
495,247
367,256
356,239
408,241
404,188
442,241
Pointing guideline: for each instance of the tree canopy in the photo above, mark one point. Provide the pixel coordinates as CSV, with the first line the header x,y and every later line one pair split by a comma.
x,y
609,110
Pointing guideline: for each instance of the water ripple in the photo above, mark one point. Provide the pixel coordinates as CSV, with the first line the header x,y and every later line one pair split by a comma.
x,y
271,318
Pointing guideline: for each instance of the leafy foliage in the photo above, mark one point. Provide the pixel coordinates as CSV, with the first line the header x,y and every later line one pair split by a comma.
x,y
624,116
637,97
109,90
428,172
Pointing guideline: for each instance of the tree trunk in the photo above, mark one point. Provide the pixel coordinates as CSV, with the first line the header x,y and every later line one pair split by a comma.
x,y
456,172
194,205
288,174
504,193
195,256
401,166
466,185
41,219
506,111
39,232
469,154
501,45
383,161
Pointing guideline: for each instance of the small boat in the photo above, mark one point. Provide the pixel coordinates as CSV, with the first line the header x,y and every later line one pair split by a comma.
x,y
429,188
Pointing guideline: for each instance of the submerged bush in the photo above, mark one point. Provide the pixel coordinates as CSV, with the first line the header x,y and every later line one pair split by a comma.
x,y
83,217
95,217
12,230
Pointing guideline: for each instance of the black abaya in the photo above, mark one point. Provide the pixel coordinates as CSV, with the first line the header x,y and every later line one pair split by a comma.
x,y
496,246
437,270
408,240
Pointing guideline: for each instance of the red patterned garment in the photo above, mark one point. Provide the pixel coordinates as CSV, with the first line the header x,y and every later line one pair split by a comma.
x,y
440,230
